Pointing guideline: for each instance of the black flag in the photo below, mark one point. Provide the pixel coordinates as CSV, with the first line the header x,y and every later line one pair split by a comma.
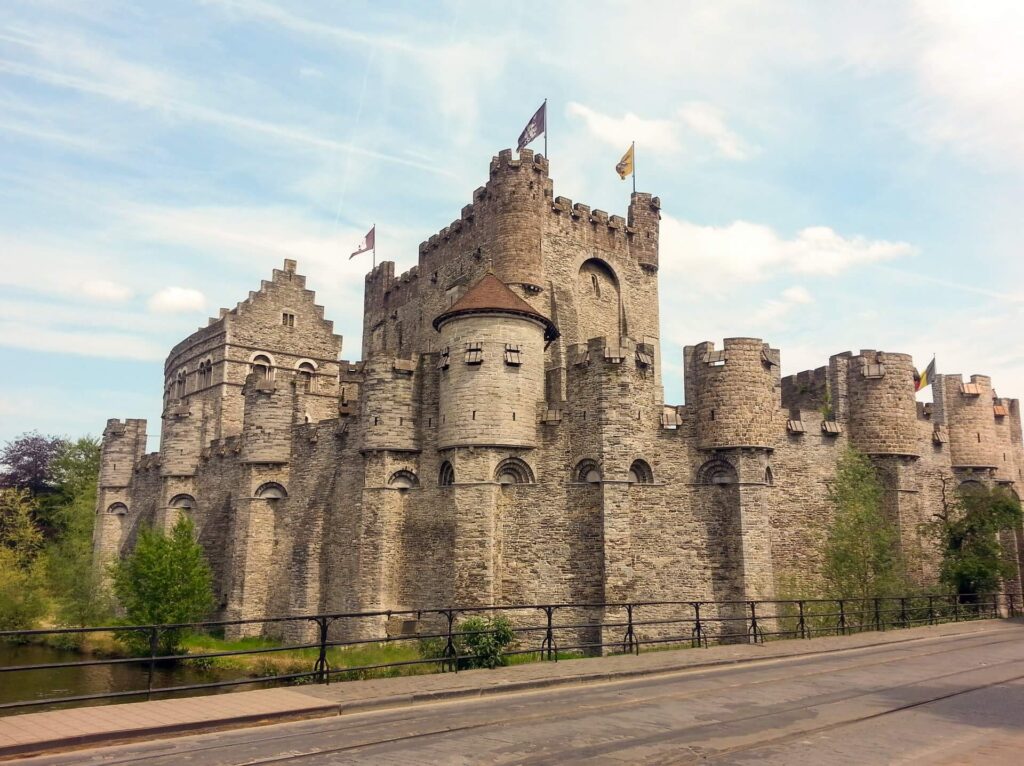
x,y
536,126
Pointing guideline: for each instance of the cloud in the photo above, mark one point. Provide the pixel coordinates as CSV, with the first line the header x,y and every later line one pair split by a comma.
x,y
774,310
109,345
694,120
177,300
103,290
970,67
657,135
714,257
708,122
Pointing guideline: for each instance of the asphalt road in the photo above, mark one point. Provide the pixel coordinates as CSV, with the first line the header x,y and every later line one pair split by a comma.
x,y
942,700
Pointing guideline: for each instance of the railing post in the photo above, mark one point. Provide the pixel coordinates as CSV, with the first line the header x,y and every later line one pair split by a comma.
x,y
754,632
321,666
956,607
451,655
802,625
842,618
1011,611
903,612
154,637
995,605
629,643
698,638
548,644
879,625
931,610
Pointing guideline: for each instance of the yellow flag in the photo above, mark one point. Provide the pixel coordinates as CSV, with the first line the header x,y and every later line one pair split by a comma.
x,y
625,166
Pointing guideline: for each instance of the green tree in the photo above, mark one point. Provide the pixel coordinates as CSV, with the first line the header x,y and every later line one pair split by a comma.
x,y
76,585
861,545
22,600
967,530
165,579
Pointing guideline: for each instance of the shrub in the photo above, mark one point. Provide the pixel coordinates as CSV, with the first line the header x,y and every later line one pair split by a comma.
x,y
165,579
479,642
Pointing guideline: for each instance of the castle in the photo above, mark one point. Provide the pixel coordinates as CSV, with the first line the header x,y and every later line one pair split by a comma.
x,y
505,439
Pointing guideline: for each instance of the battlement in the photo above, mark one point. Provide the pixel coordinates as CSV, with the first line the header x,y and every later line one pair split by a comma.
x,y
806,390
624,352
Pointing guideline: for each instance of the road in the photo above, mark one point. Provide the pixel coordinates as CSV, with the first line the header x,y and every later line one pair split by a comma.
x,y
941,700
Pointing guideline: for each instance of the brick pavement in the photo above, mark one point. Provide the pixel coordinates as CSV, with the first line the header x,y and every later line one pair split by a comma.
x,y
62,729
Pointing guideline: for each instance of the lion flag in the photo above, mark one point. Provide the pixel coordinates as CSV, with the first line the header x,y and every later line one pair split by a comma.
x,y
625,166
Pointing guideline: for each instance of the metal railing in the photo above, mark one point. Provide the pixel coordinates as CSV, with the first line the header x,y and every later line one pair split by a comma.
x,y
547,631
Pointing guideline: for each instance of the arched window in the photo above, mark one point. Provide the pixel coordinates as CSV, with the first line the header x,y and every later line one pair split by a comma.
x,y
262,365
179,390
446,476
640,473
587,472
206,373
271,490
119,509
307,376
403,480
769,477
970,485
717,471
513,471
182,502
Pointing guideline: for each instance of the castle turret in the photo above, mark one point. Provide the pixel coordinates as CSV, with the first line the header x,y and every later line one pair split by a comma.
x,y
519,192
267,422
644,215
881,409
968,414
492,368
124,443
389,392
736,392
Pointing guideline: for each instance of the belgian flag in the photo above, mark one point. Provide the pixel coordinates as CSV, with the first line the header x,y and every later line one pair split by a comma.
x,y
922,379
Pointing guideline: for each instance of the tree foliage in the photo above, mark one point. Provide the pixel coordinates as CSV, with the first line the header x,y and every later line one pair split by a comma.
x,y
165,579
75,583
22,600
862,546
28,462
967,531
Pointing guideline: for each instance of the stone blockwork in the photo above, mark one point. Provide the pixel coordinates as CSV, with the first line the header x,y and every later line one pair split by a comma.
x,y
506,438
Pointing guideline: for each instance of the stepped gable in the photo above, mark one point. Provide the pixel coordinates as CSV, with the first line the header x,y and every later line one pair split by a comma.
x,y
492,296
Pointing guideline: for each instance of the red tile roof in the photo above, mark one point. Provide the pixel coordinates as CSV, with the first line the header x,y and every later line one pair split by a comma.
x,y
491,296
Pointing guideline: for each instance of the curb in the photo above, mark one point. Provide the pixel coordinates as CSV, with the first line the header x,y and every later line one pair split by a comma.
x,y
332,708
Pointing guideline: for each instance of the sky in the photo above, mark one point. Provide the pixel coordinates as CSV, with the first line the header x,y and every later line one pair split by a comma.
x,y
833,176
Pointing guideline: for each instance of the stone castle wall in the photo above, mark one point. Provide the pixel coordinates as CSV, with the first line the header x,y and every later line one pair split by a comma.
x,y
426,475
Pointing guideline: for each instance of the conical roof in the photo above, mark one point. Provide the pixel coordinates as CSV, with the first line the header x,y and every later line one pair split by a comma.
x,y
491,296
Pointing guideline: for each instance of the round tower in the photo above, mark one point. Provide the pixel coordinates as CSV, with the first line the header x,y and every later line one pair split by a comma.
x,y
737,393
967,408
519,196
491,367
882,408
388,394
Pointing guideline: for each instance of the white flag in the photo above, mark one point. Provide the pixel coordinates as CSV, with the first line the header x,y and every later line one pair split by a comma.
x,y
366,244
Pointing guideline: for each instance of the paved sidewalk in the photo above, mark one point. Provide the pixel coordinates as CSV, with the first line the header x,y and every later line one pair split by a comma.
x,y
62,729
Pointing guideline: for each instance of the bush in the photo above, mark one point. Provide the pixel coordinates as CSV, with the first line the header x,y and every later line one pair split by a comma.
x,y
479,643
165,579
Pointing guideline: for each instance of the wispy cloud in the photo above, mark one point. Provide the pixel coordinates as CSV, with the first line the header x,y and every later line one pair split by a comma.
x,y
692,122
713,257
177,300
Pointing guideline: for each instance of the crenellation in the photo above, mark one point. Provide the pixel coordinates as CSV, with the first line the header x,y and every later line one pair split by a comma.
x,y
505,437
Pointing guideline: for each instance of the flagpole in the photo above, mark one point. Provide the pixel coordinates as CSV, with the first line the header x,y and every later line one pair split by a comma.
x,y
545,128
374,227
632,149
